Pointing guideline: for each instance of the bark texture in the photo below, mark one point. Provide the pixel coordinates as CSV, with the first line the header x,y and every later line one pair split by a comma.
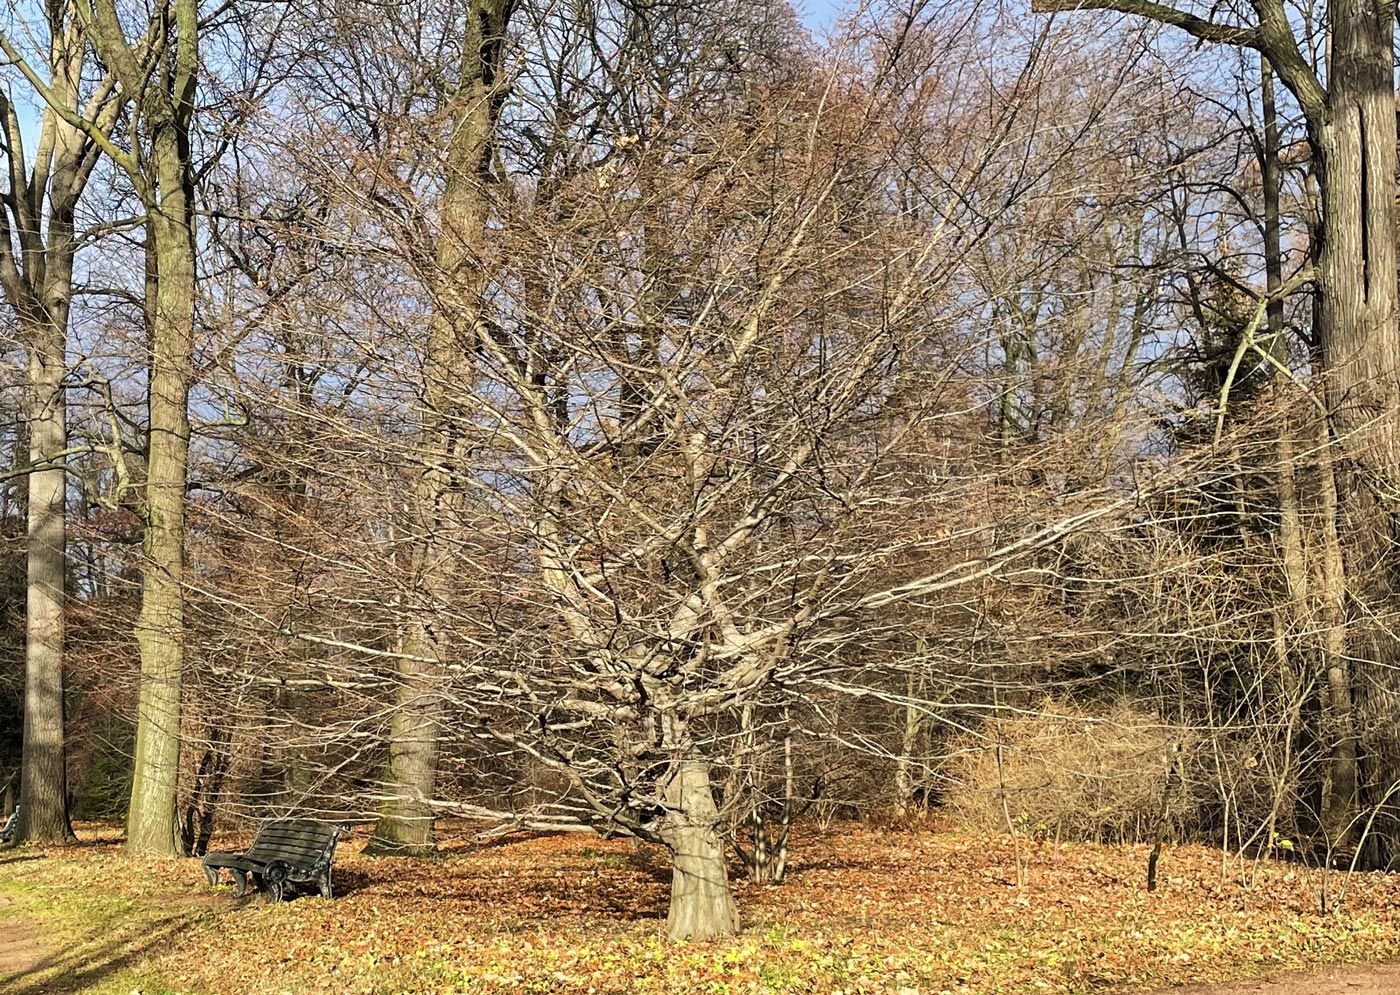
x,y
405,826
164,179
1360,352
43,783
37,251
152,826
702,903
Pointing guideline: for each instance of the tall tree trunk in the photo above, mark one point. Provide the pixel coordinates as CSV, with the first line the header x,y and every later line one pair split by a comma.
x,y
1270,173
43,782
152,824
1356,159
1289,622
406,820
1360,351
37,251
702,903
165,180
1338,727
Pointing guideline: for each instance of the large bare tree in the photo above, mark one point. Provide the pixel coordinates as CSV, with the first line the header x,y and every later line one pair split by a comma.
x,y
163,74
458,279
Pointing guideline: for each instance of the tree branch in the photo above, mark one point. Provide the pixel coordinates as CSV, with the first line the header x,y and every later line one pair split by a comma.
x,y
1199,27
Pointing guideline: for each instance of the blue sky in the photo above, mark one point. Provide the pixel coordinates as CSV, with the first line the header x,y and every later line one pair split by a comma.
x,y
819,13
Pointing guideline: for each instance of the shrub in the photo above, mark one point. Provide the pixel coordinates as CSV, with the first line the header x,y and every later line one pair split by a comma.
x,y
1070,771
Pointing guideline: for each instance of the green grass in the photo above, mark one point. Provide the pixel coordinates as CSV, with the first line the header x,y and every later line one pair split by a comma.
x,y
99,932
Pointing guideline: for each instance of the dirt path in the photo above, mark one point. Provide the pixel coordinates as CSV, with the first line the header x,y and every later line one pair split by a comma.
x,y
20,951
1351,979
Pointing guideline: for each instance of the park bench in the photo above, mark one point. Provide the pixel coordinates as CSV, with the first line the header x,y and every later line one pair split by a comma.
x,y
286,851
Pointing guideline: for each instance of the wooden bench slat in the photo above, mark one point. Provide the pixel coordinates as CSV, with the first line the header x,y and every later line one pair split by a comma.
x,y
292,843
307,844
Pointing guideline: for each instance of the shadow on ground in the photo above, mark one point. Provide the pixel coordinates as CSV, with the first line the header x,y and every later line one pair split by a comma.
x,y
34,967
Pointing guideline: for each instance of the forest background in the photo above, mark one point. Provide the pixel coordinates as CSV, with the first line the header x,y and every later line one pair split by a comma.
x,y
663,421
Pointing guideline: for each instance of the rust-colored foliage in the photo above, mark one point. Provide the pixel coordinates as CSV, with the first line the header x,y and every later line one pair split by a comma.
x,y
866,911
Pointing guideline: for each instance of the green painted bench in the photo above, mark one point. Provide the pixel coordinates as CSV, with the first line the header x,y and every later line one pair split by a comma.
x,y
286,851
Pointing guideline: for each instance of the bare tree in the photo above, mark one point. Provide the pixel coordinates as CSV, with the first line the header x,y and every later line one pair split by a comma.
x,y
163,70
459,279
1348,105
38,244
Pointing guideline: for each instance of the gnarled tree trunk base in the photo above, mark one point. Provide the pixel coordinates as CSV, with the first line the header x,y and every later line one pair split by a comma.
x,y
702,903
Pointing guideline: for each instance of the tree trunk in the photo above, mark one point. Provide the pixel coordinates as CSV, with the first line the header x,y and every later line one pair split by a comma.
x,y
37,249
1270,171
405,825
1360,354
1338,730
1289,623
152,822
1356,166
702,904
904,782
43,782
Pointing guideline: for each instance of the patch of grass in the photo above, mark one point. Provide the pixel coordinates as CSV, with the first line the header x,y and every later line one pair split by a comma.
x,y
605,857
99,924
779,977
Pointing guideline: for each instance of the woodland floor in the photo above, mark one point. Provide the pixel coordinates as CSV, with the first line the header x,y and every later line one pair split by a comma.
x,y
865,911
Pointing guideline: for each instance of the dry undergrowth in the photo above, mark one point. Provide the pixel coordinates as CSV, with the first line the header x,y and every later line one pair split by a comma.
x,y
1071,771
866,911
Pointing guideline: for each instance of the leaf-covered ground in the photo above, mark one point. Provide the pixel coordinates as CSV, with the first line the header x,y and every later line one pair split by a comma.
x,y
865,911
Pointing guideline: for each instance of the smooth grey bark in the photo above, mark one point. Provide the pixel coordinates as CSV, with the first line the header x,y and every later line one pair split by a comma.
x,y
37,251
702,903
405,826
43,781
1270,173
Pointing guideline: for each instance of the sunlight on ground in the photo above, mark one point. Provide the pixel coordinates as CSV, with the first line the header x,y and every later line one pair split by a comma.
x,y
865,911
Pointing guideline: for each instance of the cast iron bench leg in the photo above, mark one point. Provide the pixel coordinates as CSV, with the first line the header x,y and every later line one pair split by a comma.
x,y
274,880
